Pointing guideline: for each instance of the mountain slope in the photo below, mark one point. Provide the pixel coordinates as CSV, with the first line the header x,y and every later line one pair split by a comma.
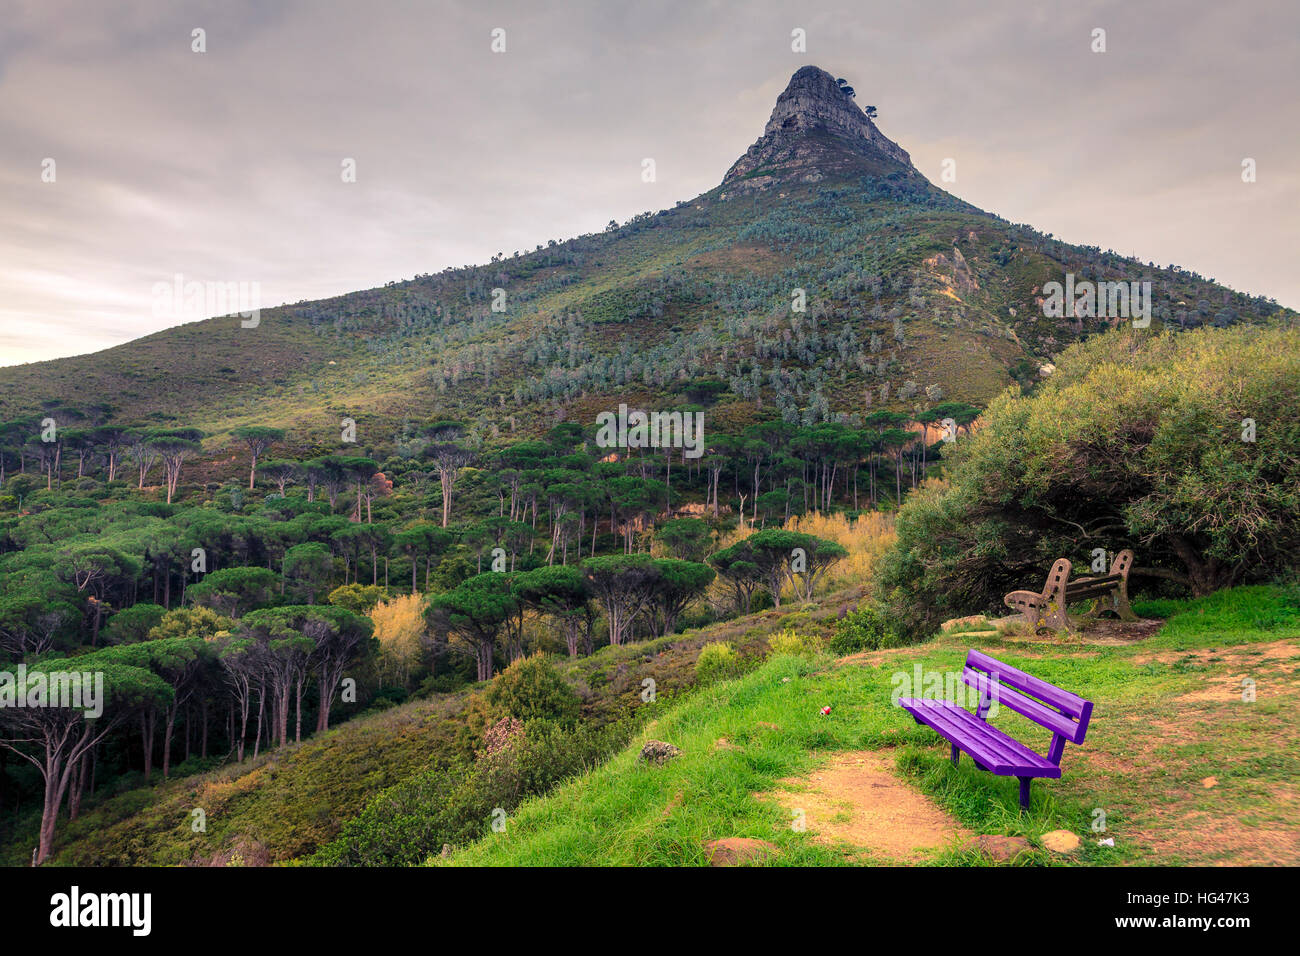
x,y
907,289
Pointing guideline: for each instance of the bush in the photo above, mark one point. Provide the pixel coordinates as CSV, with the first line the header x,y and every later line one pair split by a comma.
x,y
133,624
866,629
1136,441
794,644
717,661
532,689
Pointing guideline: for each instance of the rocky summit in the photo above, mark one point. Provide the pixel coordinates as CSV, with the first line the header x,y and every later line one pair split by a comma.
x,y
816,129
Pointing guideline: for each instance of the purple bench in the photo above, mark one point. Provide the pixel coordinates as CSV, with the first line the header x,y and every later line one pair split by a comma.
x,y
1066,715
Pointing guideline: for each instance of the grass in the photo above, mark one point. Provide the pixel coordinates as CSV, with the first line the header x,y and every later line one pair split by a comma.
x,y
1240,615
1148,752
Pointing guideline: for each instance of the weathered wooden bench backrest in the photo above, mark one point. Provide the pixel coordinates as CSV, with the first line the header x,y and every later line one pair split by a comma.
x,y
1065,714
1123,561
1056,579
1061,589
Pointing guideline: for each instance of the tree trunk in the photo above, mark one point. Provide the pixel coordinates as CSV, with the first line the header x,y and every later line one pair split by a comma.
x,y
1206,575
146,740
261,701
167,742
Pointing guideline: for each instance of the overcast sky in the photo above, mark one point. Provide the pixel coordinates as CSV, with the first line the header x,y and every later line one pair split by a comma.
x,y
225,166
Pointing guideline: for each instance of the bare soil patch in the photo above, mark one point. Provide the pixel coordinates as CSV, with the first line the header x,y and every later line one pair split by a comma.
x,y
1239,653
857,799
1104,631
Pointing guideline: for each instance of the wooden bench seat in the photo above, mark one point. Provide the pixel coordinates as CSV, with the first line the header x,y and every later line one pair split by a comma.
x,y
1047,609
1065,714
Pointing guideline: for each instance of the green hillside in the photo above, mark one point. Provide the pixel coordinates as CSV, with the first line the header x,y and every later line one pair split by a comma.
x,y
907,289
1158,808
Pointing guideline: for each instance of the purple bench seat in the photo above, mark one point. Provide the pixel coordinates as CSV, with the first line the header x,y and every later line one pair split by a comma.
x,y
1065,714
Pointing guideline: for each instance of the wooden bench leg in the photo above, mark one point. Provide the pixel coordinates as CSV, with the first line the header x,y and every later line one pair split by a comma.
x,y
1024,793
1059,620
1121,604
956,755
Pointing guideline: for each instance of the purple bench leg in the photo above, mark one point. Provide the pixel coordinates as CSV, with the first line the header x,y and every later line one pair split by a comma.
x,y
956,755
1024,793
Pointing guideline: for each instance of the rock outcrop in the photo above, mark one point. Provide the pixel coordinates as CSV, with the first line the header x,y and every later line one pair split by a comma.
x,y
816,130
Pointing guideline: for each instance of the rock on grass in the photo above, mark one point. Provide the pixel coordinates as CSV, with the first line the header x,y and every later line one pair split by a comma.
x,y
736,851
658,751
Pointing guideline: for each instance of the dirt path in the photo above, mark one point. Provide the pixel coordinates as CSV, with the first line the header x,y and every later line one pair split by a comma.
x,y
858,799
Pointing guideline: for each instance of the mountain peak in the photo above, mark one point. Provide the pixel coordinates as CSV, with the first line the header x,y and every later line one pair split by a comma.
x,y
815,129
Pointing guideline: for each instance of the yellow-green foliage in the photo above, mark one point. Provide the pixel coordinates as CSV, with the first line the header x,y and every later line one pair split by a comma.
x,y
795,643
357,598
400,628
191,622
865,538
717,661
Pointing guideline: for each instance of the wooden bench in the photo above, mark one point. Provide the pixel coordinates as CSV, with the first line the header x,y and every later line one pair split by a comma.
x,y
1108,592
1065,714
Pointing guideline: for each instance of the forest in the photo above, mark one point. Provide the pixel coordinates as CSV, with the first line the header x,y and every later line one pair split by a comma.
x,y
226,614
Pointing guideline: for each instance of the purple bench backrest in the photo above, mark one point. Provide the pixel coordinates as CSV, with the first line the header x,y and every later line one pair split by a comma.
x,y
1065,714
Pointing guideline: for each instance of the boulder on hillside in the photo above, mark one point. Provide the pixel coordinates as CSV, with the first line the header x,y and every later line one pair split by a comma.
x,y
658,751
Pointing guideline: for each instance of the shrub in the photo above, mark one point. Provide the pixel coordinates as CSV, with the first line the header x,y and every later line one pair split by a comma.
x,y
795,644
357,598
717,661
190,622
532,689
133,624
445,683
866,629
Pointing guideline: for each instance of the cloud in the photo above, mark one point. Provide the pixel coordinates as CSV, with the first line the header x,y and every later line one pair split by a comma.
x,y
225,166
